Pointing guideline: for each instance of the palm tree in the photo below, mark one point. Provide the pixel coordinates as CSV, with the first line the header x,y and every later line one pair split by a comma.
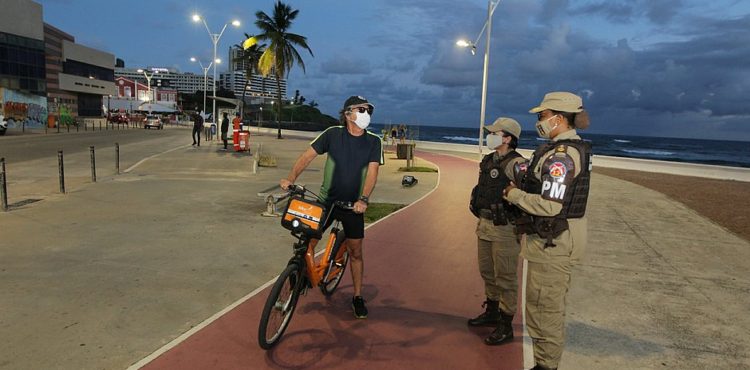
x,y
280,55
250,56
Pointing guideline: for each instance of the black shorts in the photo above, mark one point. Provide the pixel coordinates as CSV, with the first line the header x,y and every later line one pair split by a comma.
x,y
353,223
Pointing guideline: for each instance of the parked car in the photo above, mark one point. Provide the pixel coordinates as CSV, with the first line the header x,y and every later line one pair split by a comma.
x,y
153,121
3,125
119,118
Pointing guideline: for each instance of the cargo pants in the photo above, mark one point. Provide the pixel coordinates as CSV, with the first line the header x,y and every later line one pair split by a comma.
x,y
497,251
547,285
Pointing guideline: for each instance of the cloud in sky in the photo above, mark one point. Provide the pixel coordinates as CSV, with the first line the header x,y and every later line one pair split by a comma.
x,y
668,67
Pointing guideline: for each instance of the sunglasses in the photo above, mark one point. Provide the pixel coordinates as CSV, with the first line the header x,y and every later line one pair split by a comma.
x,y
362,110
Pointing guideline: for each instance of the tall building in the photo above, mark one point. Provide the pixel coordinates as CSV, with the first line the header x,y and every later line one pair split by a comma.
x,y
185,83
236,63
78,77
260,87
23,87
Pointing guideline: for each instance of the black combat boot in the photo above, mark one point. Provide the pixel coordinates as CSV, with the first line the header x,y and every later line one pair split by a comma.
x,y
540,367
503,333
490,317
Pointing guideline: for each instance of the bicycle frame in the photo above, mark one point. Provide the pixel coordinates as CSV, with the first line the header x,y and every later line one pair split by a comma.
x,y
305,251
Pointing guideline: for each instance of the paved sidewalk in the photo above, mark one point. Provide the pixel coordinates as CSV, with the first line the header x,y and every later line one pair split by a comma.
x,y
104,275
109,273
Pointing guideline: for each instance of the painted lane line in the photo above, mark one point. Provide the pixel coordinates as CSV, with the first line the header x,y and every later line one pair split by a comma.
x,y
151,157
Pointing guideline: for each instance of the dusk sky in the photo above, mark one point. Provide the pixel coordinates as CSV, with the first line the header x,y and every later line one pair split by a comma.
x,y
674,68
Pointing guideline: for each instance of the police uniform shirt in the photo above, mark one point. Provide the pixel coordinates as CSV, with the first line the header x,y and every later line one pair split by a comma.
x,y
571,243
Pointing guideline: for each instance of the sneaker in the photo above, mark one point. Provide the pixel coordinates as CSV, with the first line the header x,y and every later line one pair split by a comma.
x,y
358,305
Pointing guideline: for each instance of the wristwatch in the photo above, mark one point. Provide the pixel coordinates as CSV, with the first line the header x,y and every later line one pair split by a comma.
x,y
365,199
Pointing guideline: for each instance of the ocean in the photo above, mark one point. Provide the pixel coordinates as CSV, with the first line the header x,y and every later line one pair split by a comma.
x,y
715,152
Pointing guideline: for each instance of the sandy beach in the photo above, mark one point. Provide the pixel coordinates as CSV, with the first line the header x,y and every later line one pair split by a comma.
x,y
726,202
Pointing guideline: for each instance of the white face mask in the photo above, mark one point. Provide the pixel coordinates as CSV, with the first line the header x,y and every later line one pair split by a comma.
x,y
543,127
362,120
493,141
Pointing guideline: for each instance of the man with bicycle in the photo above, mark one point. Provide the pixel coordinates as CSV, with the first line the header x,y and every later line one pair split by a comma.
x,y
351,171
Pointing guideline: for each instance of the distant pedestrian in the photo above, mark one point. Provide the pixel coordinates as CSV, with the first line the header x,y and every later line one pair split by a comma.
x,y
553,194
197,126
402,134
394,134
224,129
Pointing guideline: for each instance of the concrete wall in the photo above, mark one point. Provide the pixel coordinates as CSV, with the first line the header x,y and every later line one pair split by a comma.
x,y
86,85
22,18
87,55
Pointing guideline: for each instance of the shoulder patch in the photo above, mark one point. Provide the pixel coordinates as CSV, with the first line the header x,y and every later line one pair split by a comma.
x,y
561,148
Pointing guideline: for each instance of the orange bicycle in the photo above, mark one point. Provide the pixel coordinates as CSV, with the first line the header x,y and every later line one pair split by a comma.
x,y
305,218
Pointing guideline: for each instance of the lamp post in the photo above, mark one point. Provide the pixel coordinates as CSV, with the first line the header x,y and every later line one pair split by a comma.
x,y
148,80
215,40
205,79
491,5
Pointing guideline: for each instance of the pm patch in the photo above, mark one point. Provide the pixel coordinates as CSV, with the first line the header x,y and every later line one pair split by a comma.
x,y
557,176
494,173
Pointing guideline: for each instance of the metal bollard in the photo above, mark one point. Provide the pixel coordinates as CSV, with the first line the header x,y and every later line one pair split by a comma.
x,y
117,158
61,170
3,187
93,164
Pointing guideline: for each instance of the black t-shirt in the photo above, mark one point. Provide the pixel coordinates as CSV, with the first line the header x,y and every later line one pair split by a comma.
x,y
348,158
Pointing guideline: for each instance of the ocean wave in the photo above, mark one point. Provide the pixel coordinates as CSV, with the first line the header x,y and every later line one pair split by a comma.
x,y
662,153
621,141
461,138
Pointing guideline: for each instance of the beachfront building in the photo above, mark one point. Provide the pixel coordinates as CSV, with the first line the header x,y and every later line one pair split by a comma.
x,y
78,77
259,90
43,70
184,83
23,88
134,96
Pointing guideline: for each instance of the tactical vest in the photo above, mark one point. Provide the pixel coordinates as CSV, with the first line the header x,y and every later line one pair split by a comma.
x,y
492,180
575,200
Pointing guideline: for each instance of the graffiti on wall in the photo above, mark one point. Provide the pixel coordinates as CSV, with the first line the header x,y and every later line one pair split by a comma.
x,y
23,109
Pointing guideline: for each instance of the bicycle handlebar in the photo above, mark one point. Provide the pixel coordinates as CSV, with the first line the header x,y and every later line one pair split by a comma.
x,y
295,189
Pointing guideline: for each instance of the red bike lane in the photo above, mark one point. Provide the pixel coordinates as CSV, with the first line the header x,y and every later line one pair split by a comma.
x,y
421,284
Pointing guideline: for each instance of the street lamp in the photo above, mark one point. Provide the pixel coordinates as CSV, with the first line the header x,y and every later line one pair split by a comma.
x,y
148,79
215,40
205,79
491,5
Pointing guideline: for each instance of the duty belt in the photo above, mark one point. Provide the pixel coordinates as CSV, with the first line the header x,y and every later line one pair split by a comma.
x,y
485,213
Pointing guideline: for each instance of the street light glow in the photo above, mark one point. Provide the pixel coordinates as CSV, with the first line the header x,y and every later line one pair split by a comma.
x,y
236,23
463,43
192,59
217,60
196,18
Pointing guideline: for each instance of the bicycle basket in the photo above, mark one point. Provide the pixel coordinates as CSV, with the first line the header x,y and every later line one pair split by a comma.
x,y
303,215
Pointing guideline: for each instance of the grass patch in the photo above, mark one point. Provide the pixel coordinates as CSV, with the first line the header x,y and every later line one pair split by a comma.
x,y
417,169
376,211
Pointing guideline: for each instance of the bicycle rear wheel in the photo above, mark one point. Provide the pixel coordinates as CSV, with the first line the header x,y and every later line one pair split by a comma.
x,y
280,305
336,267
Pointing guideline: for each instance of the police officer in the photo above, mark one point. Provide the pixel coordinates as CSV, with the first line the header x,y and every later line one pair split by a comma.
x,y
553,193
496,242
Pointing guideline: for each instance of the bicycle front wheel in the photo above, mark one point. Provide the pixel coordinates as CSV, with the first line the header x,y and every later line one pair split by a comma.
x,y
279,306
336,266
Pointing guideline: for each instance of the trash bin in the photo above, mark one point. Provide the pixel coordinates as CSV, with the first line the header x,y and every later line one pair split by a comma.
x,y
244,141
404,151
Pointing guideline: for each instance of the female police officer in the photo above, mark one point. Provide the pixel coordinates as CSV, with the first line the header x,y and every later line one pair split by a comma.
x,y
553,193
